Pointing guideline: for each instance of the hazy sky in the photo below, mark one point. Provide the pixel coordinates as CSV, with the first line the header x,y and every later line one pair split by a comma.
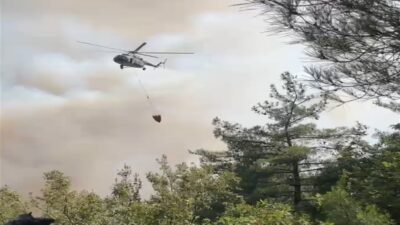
x,y
68,106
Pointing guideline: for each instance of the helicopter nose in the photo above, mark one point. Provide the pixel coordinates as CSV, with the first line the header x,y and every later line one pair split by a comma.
x,y
120,59
117,58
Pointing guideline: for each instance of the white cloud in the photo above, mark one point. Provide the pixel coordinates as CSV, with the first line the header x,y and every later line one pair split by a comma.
x,y
26,97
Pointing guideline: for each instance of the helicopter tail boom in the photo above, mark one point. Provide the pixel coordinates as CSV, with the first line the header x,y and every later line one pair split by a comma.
x,y
161,63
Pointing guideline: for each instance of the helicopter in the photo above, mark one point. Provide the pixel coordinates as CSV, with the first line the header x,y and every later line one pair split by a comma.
x,y
132,59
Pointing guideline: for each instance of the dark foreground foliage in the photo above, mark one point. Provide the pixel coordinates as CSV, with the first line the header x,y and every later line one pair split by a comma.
x,y
28,219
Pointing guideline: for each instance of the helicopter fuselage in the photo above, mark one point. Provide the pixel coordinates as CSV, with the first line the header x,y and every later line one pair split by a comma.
x,y
130,60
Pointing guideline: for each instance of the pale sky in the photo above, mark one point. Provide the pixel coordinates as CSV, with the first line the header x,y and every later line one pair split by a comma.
x,y
68,106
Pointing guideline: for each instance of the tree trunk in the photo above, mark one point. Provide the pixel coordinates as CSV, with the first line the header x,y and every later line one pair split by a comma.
x,y
295,173
296,184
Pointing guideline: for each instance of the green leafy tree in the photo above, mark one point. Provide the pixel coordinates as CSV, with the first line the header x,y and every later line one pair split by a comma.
x,y
126,189
358,39
189,194
341,209
11,205
375,179
281,159
124,206
347,159
68,207
264,213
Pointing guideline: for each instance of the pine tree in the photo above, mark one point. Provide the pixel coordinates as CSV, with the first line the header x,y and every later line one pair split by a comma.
x,y
358,39
280,159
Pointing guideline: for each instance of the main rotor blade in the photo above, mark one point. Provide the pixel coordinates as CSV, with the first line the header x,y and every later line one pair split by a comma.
x,y
107,50
140,46
171,53
102,46
152,56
